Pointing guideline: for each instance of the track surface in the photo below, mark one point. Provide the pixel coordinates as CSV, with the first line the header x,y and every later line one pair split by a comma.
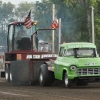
x,y
56,92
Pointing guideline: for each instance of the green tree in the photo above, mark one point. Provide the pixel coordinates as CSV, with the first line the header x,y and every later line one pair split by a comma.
x,y
22,10
6,13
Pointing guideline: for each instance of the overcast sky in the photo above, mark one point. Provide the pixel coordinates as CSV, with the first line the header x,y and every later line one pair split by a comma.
x,y
18,1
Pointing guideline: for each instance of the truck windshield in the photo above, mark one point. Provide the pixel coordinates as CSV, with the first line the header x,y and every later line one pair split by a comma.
x,y
81,52
87,52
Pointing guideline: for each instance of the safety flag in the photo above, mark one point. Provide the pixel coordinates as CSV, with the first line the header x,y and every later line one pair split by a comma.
x,y
54,24
28,22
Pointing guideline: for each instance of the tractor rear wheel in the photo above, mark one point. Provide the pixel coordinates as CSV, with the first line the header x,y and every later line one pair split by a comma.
x,y
7,72
20,73
46,77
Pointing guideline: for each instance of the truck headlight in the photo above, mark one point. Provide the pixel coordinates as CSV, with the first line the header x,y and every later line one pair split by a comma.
x,y
73,67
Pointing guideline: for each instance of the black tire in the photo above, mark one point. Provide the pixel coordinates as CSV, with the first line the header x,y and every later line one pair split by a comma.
x,y
67,82
20,73
46,77
7,72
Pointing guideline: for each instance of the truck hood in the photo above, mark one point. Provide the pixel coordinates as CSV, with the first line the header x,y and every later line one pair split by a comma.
x,y
87,62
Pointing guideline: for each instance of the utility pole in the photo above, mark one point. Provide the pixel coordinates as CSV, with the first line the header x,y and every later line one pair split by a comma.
x,y
59,33
92,19
53,16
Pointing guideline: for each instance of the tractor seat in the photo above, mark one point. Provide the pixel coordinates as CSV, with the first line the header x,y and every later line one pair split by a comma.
x,y
24,43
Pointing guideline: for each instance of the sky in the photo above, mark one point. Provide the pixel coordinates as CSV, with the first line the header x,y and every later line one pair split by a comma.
x,y
18,1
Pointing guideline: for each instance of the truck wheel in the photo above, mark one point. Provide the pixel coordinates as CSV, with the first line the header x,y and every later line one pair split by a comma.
x,y
67,82
7,72
46,77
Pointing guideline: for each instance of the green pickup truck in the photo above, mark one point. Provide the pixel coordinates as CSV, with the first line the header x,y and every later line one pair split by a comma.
x,y
77,63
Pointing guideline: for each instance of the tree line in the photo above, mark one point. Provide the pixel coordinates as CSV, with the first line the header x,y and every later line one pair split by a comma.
x,y
75,18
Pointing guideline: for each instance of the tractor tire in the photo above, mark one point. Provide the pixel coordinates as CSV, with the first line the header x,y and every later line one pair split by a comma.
x,y
67,82
7,72
46,77
20,73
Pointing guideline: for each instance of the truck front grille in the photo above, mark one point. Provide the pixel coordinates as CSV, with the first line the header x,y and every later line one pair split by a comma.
x,y
88,71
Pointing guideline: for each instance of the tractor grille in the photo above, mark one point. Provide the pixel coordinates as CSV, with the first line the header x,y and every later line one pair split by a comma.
x,y
88,71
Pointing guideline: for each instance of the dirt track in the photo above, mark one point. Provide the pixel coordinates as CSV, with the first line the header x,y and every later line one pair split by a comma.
x,y
9,92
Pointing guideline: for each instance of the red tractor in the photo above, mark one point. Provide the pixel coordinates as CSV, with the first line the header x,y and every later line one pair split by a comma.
x,y
25,56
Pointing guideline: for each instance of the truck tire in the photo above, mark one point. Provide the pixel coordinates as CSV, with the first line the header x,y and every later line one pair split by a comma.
x,y
46,77
7,72
67,82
